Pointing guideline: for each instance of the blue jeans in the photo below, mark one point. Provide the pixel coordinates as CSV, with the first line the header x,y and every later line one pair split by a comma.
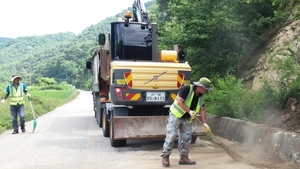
x,y
15,111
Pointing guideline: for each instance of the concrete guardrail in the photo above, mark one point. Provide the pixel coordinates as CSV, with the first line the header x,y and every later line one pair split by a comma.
x,y
278,143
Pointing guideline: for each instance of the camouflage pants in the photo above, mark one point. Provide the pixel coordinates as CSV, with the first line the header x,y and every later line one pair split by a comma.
x,y
184,129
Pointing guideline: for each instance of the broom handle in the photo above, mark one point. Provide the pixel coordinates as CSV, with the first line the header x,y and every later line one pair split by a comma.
x,y
31,107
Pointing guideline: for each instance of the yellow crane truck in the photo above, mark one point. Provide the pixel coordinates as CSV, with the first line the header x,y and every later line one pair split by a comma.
x,y
133,83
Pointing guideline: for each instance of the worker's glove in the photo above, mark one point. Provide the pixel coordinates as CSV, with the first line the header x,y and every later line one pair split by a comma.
x,y
28,95
206,127
3,100
192,113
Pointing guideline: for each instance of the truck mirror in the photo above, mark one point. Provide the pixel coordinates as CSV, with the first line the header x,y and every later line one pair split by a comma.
x,y
101,39
181,55
88,65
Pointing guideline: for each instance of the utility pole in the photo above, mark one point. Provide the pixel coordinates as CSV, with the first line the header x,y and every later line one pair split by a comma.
x,y
30,77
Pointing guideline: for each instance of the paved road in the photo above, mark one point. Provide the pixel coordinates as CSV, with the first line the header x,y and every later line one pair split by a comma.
x,y
69,137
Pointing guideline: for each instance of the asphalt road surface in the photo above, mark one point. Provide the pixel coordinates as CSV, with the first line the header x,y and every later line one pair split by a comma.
x,y
69,137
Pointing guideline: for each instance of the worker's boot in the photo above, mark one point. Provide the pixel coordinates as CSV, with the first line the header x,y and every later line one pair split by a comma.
x,y
166,161
15,132
23,129
184,160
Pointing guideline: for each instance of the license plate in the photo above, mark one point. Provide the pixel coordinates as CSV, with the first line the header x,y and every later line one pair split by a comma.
x,y
120,81
155,96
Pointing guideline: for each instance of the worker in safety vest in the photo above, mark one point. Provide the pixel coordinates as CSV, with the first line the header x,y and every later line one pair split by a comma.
x,y
16,91
188,103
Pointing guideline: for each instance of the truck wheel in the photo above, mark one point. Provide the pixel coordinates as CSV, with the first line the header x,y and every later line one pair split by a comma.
x,y
105,124
114,143
97,113
100,117
194,138
95,98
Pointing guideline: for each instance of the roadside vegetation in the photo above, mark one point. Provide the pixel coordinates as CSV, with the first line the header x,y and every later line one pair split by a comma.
x,y
230,98
223,40
44,98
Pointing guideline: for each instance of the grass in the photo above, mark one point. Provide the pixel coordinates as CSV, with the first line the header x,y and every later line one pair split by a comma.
x,y
52,94
43,101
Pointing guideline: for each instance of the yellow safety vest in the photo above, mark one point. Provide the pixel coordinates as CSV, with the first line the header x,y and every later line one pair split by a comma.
x,y
16,95
179,112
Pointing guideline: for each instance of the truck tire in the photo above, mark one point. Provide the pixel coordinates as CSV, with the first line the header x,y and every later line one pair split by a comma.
x,y
97,112
114,143
105,123
100,117
95,104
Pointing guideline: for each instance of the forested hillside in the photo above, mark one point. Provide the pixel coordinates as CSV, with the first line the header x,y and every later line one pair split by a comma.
x,y
60,56
240,45
219,37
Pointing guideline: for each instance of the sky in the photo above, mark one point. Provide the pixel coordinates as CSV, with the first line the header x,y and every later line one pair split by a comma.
x,y
40,17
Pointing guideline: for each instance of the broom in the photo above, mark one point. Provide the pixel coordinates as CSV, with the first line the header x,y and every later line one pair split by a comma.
x,y
232,154
34,119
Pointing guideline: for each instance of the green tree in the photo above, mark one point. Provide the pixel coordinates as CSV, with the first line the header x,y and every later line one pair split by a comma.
x,y
42,81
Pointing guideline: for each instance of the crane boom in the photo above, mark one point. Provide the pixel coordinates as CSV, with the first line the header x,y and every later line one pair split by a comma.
x,y
139,11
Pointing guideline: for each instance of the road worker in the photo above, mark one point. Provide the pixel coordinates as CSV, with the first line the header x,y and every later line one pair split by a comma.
x,y
188,103
17,91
